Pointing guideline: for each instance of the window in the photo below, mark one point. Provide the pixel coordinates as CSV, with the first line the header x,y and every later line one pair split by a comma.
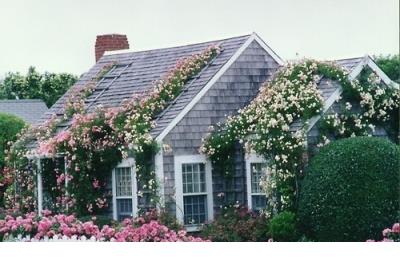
x,y
193,190
256,199
124,191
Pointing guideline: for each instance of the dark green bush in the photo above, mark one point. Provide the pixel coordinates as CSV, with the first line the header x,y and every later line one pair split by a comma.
x,y
283,227
351,190
237,224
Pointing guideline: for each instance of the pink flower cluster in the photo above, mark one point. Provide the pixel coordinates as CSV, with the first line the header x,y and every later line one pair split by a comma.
x,y
390,235
31,225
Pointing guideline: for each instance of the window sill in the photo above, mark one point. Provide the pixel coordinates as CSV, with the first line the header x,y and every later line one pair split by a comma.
x,y
193,228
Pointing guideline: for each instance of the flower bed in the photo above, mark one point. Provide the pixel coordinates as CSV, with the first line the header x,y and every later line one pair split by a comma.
x,y
31,227
237,224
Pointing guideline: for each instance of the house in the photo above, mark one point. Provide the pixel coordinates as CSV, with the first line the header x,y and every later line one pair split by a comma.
x,y
190,188
29,110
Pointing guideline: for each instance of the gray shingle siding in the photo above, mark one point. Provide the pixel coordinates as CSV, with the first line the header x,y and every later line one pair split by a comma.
x,y
234,89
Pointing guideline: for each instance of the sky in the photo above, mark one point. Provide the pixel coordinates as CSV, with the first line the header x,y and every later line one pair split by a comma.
x,y
59,35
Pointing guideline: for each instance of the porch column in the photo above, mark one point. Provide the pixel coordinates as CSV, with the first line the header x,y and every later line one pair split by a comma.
x,y
39,185
66,181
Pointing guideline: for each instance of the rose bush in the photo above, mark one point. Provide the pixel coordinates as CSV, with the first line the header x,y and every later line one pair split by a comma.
x,y
31,227
237,223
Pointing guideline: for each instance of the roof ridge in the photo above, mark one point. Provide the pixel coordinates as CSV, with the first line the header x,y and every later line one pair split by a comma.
x,y
119,52
21,100
351,58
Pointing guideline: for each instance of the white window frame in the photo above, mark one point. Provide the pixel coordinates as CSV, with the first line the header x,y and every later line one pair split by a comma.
x,y
188,159
126,163
251,158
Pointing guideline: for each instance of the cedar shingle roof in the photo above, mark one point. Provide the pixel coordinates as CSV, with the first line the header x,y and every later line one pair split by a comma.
x,y
135,72
29,110
350,63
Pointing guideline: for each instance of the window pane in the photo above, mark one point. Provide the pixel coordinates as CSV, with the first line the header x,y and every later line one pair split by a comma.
x,y
256,170
258,202
124,209
194,177
195,209
123,181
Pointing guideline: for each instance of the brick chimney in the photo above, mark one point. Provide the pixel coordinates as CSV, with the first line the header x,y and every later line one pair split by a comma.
x,y
110,42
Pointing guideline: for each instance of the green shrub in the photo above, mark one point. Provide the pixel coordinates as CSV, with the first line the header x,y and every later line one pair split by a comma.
x,y
237,224
10,125
283,227
351,190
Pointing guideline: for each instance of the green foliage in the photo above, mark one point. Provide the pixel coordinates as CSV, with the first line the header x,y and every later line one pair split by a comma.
x,y
236,224
47,86
10,126
390,64
283,227
351,190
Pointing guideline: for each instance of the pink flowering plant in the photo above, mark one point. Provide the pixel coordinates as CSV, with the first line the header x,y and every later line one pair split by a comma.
x,y
95,142
31,227
390,234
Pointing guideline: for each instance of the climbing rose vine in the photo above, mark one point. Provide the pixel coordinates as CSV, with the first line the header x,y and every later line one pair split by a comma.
x,y
97,141
264,126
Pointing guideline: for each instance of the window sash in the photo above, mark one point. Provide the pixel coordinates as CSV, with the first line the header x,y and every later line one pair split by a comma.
x,y
127,191
194,178
254,173
256,176
206,190
258,207
198,210
123,182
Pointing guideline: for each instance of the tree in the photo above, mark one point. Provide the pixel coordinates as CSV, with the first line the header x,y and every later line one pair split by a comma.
x,y
390,64
47,86
10,125
351,190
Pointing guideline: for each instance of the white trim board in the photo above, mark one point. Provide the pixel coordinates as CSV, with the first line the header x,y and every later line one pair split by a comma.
x,y
159,171
366,61
214,79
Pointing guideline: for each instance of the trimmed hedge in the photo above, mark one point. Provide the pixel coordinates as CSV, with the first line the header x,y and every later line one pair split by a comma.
x,y
351,190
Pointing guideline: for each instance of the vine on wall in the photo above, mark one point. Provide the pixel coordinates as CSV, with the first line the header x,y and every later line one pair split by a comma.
x,y
264,126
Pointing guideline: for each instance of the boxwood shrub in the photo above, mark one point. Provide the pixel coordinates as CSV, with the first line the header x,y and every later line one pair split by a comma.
x,y
351,190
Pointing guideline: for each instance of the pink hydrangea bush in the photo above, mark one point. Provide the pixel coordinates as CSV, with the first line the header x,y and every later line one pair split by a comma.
x,y
390,234
31,227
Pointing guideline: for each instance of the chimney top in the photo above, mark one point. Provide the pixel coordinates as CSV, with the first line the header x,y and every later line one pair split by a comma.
x,y
110,42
